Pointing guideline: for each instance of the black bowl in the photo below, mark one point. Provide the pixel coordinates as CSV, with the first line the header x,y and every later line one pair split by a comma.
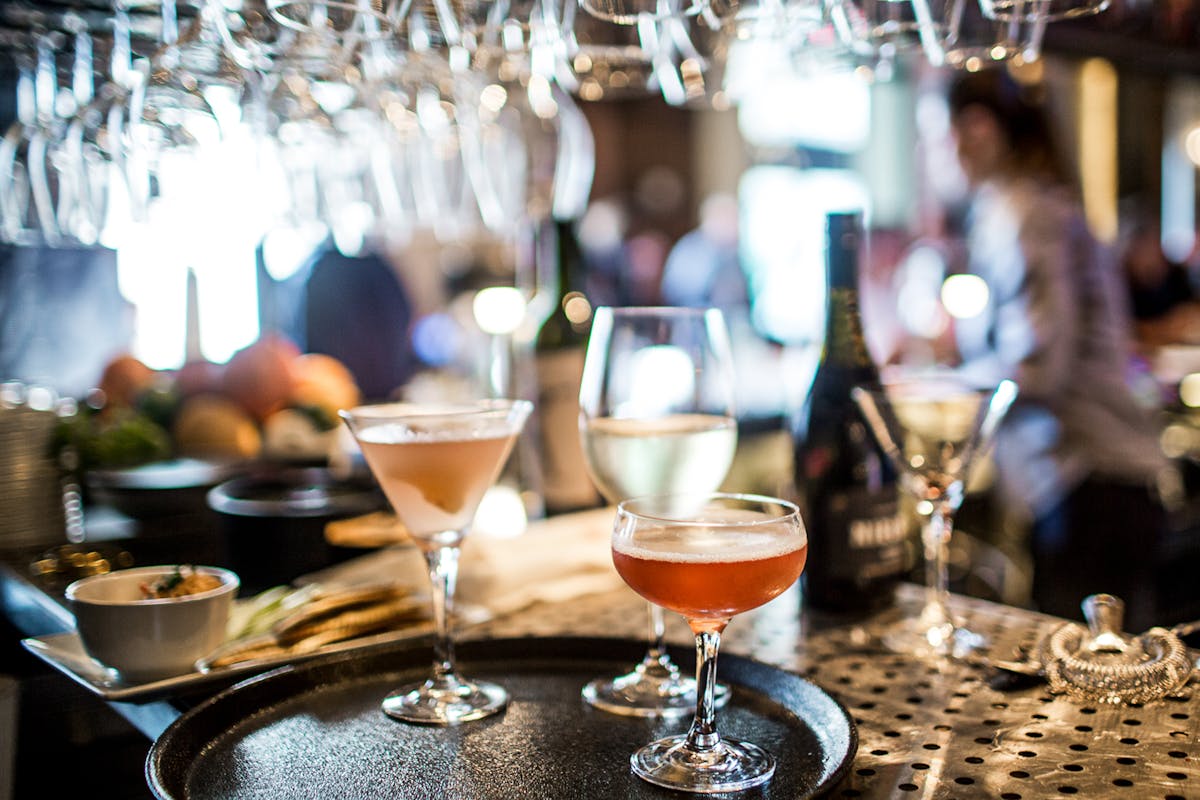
x,y
176,486
274,522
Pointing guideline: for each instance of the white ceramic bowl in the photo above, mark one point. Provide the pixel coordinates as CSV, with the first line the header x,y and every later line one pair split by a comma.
x,y
142,639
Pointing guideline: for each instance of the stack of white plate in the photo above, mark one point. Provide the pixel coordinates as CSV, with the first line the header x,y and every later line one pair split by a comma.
x,y
31,505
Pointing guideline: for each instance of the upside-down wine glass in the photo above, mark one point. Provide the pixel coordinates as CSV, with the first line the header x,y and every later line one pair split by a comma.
x,y
656,417
30,195
707,558
933,428
434,463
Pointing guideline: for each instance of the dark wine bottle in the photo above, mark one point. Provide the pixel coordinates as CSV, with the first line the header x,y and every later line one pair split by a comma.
x,y
559,348
857,549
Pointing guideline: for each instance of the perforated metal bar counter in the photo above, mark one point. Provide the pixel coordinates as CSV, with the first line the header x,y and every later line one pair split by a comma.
x,y
937,730
926,730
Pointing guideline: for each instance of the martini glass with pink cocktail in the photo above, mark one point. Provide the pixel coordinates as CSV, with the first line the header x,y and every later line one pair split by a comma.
x,y
434,463
708,558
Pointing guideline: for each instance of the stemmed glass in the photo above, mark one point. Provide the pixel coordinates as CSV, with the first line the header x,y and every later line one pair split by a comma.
x,y
171,117
707,558
933,428
434,463
656,417
627,12
18,218
30,194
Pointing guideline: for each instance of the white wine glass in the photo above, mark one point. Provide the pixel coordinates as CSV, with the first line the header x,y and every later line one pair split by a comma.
x,y
933,429
707,557
656,417
434,463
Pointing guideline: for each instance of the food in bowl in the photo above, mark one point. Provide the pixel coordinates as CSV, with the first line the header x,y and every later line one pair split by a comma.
x,y
149,638
183,581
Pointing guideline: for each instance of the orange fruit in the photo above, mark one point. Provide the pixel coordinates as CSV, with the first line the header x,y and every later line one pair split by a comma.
x,y
198,377
213,426
124,378
323,381
259,377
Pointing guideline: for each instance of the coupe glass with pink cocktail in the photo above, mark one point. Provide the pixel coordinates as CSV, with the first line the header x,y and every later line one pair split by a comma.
x,y
434,463
707,557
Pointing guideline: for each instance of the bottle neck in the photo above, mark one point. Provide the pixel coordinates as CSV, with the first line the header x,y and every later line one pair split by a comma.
x,y
564,241
570,318
845,343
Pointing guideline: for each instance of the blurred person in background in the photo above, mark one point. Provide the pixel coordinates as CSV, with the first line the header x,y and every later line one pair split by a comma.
x,y
1165,307
1077,456
645,254
601,234
704,268
359,311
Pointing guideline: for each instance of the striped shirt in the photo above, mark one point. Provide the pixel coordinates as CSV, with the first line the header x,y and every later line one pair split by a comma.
x,y
1057,322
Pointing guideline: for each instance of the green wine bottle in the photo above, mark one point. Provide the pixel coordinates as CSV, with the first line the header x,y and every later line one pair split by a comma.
x,y
559,350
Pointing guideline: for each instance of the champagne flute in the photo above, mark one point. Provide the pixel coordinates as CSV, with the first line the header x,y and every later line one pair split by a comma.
x,y
707,558
933,428
656,417
434,463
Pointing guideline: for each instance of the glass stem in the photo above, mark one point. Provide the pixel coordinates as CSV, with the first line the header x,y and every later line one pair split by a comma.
x,y
656,656
170,25
443,578
936,535
703,736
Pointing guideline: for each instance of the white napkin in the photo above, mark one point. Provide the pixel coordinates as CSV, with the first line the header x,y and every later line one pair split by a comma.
x,y
554,560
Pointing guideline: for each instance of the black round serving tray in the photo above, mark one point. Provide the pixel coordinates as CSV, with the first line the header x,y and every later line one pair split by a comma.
x,y
316,730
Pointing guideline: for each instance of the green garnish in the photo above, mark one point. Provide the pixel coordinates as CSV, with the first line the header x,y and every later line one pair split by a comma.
x,y
169,582
318,416
163,586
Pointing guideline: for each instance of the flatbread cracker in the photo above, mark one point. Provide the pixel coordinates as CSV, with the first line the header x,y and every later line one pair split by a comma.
x,y
377,529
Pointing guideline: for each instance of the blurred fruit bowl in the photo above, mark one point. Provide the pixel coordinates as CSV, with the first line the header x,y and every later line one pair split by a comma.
x,y
269,401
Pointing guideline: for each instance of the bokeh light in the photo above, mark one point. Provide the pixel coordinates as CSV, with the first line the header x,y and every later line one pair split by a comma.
x,y
964,296
499,310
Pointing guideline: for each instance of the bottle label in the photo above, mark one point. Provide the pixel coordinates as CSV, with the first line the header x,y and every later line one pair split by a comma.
x,y
566,483
866,535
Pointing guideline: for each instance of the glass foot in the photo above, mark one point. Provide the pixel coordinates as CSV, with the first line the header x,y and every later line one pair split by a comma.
x,y
730,766
918,637
649,692
445,701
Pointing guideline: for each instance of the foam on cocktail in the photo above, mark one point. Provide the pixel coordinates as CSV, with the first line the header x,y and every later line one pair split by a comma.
x,y
449,432
701,549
